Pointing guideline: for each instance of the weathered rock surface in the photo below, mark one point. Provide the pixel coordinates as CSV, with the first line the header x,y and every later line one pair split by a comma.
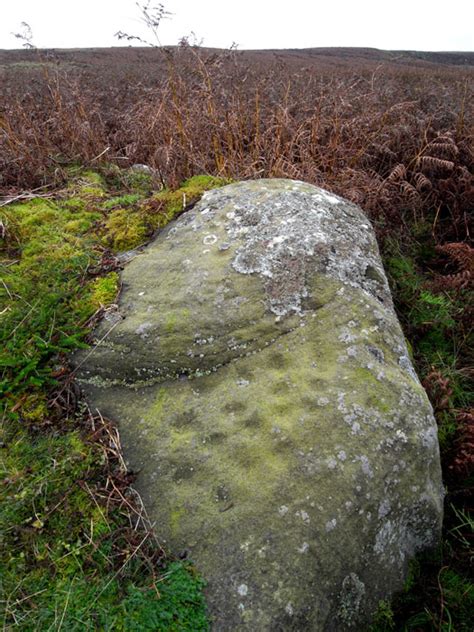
x,y
264,390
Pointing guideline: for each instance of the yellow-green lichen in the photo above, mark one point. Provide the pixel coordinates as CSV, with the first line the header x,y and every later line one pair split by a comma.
x,y
105,289
125,230
90,185
173,202
126,200
98,293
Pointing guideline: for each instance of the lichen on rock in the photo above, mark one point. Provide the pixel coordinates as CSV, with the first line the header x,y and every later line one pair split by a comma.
x,y
263,388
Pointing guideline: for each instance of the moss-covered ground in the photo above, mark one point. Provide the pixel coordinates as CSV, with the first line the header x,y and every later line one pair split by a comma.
x,y
76,550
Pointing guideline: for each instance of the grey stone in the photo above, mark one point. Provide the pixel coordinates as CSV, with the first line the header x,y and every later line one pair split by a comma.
x,y
142,169
264,390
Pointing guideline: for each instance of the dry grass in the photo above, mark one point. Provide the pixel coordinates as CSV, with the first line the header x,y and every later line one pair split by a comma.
x,y
391,138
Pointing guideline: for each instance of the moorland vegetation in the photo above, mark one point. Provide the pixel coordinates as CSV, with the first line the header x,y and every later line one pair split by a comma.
x,y
390,133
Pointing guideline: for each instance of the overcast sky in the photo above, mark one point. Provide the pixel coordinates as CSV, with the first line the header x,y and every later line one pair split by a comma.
x,y
396,25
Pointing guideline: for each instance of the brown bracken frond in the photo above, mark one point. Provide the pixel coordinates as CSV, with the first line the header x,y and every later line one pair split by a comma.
x,y
399,172
430,164
463,459
422,183
410,193
462,255
438,389
443,150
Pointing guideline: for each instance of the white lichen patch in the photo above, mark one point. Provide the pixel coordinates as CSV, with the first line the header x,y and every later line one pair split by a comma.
x,y
209,240
331,199
384,508
429,437
144,329
303,515
286,228
347,336
245,546
365,465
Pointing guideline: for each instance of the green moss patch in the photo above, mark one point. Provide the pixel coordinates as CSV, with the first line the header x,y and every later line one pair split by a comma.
x,y
70,555
47,295
134,219
65,558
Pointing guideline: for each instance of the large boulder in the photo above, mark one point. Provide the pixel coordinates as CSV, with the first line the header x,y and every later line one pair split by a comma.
x,y
264,392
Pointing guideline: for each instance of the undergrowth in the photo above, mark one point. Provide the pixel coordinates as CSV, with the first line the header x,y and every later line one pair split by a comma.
x,y
393,138
436,317
76,550
69,560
